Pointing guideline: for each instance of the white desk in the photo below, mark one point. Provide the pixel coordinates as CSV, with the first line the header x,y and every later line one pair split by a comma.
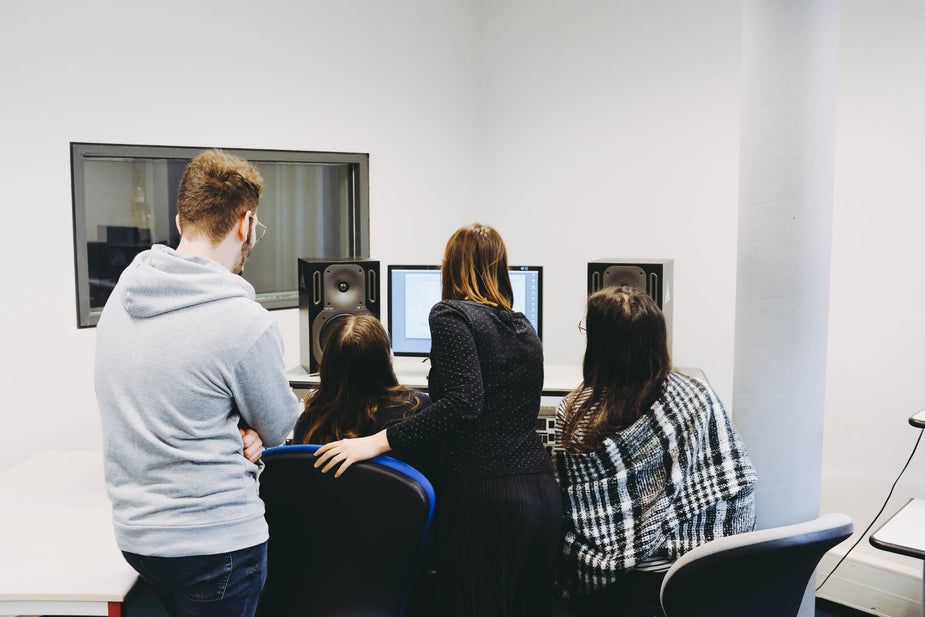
x,y
59,555
904,533
412,372
918,420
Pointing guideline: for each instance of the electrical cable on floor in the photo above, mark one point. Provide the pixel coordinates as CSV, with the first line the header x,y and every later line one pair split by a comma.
x,y
861,537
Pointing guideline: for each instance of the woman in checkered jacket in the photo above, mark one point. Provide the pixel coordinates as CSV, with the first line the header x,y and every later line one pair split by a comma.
x,y
649,463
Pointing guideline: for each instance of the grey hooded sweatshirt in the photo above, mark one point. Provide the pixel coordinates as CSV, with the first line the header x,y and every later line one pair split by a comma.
x,y
182,353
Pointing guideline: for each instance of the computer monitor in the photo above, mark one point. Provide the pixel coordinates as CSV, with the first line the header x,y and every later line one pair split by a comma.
x,y
414,290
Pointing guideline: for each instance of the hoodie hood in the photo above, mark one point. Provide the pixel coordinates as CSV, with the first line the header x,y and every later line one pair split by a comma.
x,y
162,280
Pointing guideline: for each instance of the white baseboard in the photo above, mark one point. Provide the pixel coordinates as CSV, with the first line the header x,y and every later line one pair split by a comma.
x,y
872,585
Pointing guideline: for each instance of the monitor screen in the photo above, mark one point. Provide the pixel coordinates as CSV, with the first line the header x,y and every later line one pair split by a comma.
x,y
414,290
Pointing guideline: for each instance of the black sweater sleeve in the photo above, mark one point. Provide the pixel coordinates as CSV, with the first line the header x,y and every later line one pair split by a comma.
x,y
455,360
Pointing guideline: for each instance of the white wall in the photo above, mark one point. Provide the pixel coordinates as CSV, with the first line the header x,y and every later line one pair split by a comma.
x,y
583,130
397,80
876,358
612,130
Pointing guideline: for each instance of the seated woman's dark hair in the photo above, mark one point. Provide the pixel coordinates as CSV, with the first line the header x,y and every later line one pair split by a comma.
x,y
356,381
626,366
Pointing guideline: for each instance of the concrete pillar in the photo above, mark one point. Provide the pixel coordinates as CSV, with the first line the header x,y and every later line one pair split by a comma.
x,y
790,52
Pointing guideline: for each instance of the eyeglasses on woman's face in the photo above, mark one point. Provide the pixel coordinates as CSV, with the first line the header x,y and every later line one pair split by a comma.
x,y
581,327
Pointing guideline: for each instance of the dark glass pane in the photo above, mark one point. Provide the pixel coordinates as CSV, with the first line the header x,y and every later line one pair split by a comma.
x,y
128,204
309,210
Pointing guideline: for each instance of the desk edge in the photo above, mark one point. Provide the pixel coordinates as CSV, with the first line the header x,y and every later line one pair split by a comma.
x,y
889,546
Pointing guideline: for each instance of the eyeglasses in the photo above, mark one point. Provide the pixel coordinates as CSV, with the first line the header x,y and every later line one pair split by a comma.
x,y
261,231
581,327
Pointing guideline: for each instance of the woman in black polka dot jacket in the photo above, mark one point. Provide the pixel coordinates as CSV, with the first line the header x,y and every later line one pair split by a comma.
x,y
499,509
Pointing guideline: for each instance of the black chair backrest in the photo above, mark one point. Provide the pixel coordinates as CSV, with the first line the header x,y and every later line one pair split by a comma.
x,y
341,547
760,574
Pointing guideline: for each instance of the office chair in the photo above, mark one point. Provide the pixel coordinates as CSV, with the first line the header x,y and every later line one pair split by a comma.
x,y
760,574
341,547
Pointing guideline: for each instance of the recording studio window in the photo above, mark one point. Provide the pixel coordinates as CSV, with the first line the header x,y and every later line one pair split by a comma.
x,y
314,204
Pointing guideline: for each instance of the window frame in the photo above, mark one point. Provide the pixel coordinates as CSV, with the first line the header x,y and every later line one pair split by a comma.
x,y
81,151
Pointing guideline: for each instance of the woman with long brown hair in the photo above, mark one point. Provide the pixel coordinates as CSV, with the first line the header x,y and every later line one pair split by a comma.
x,y
358,393
649,464
499,508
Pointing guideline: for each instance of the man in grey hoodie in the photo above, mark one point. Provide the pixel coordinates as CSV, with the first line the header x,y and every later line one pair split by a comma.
x,y
184,356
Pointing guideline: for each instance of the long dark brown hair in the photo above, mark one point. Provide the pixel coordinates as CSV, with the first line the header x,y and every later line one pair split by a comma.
x,y
475,267
626,366
357,380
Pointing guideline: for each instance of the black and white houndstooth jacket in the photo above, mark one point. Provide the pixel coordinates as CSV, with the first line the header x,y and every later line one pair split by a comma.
x,y
676,478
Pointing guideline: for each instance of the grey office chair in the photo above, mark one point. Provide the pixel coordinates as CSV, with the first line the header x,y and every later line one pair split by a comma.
x,y
760,574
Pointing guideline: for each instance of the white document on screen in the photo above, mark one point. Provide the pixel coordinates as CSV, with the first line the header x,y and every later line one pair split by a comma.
x,y
422,292
519,287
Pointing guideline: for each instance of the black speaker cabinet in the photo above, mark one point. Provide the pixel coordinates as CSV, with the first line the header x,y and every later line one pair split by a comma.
x,y
653,276
329,290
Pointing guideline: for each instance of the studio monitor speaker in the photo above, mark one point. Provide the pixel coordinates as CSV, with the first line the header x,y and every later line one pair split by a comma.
x,y
653,276
331,290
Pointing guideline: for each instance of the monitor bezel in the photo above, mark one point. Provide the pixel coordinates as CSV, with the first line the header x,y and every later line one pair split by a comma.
x,y
409,354
420,354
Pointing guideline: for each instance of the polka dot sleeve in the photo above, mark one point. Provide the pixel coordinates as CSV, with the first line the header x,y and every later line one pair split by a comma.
x,y
455,360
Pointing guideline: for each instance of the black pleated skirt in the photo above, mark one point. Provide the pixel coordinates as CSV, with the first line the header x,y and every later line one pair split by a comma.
x,y
499,545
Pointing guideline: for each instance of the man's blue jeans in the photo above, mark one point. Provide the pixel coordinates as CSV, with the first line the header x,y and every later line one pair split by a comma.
x,y
224,585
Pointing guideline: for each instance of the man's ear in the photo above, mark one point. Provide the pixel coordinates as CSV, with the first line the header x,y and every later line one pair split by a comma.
x,y
243,227
177,221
